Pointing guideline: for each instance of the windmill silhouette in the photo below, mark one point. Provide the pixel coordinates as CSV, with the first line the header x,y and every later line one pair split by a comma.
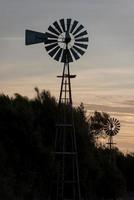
x,y
111,128
65,41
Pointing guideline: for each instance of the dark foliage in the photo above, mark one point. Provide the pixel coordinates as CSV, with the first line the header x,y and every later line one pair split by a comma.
x,y
27,129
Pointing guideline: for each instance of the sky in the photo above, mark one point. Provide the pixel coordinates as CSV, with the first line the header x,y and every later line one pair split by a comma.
x,y
105,73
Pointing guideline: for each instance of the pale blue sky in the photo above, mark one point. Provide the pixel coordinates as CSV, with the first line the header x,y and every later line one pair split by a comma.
x,y
105,74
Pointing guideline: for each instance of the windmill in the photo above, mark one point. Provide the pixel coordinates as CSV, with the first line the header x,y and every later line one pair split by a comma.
x,y
66,40
111,129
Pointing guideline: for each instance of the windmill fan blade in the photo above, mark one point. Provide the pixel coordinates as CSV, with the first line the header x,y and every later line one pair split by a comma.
x,y
69,56
49,47
81,34
81,45
58,55
117,129
79,50
53,52
50,41
63,59
57,26
66,56
73,26
76,56
115,133
107,132
33,37
49,35
82,39
62,22
78,29
51,29
68,24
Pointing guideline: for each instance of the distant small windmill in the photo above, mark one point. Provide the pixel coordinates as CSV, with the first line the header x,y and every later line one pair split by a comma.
x,y
111,128
65,41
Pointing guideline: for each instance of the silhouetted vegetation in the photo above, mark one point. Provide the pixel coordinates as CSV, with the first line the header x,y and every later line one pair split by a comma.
x,y
27,130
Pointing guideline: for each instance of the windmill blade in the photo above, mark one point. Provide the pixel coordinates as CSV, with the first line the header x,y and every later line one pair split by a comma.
x,y
66,56
34,37
107,132
57,26
76,56
69,56
81,34
115,132
50,41
80,51
63,59
73,26
68,24
117,123
82,40
62,22
53,52
109,120
78,29
81,45
117,129
58,55
51,29
49,47
49,35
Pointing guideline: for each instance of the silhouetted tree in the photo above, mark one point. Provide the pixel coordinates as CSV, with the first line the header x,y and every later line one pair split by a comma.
x,y
97,122
27,132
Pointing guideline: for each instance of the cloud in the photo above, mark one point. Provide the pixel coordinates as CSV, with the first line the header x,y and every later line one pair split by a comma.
x,y
128,102
109,108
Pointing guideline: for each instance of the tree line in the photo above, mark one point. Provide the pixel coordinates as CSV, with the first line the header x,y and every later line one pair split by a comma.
x,y
27,128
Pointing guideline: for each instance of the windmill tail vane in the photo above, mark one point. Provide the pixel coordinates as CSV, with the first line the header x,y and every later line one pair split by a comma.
x,y
34,37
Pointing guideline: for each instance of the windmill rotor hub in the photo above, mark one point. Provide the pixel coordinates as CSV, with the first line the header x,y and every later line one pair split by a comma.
x,y
112,127
66,41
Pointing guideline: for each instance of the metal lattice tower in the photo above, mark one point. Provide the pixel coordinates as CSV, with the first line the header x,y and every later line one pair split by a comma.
x,y
67,183
65,41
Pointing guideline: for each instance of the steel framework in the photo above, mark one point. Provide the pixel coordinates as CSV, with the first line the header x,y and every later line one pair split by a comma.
x,y
66,182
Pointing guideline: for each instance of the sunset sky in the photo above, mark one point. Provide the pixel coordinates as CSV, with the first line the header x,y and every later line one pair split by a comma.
x,y
105,74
